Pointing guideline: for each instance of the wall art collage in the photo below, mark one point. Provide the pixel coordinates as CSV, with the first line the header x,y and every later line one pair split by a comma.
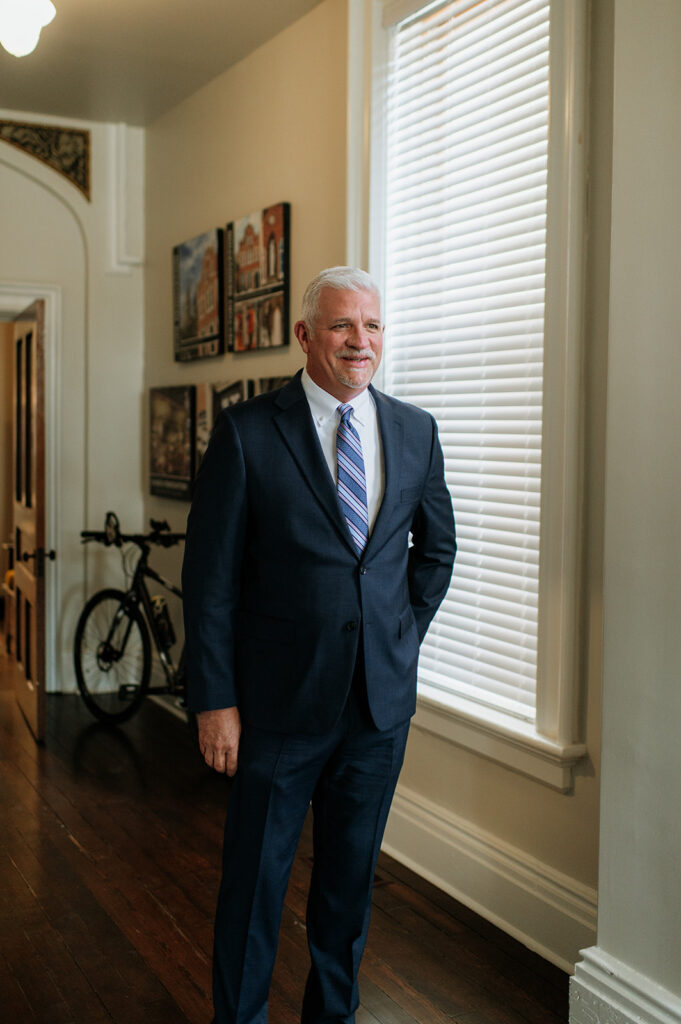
x,y
231,287
181,420
231,291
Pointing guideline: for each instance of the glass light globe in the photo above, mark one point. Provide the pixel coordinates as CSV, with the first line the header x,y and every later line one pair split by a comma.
x,y
21,22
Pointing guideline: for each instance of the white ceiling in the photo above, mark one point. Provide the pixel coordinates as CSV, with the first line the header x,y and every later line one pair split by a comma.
x,y
131,60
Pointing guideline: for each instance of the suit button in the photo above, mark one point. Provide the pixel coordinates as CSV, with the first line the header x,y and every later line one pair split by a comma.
x,y
350,626
362,570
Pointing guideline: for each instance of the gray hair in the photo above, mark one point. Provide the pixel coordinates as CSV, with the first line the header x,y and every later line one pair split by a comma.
x,y
342,279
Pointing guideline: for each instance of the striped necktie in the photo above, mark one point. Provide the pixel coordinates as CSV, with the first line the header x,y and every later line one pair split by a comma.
x,y
352,488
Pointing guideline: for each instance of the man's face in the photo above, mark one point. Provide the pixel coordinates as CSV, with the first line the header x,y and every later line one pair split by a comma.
x,y
345,343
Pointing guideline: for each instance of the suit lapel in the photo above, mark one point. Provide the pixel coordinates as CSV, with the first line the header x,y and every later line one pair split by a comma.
x,y
294,422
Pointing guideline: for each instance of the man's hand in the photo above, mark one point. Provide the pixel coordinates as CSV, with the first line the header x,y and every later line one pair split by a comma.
x,y
219,733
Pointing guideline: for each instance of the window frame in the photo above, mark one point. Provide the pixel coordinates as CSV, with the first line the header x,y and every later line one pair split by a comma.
x,y
549,749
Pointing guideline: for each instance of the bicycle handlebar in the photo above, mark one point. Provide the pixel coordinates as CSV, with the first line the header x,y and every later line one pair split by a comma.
x,y
159,535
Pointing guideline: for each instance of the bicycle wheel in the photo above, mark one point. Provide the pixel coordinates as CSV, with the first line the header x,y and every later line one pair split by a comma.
x,y
112,656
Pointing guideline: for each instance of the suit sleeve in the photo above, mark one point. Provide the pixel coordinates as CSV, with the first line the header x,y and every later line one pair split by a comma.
x,y
431,556
211,571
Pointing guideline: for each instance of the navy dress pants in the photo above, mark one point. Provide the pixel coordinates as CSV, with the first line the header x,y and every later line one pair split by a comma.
x,y
349,776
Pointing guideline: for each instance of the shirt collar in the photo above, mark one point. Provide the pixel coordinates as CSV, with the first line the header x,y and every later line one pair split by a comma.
x,y
323,405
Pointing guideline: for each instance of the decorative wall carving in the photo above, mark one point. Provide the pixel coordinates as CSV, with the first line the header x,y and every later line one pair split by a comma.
x,y
65,150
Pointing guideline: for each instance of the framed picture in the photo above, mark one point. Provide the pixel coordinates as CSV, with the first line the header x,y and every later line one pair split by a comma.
x,y
271,384
225,395
198,297
211,399
172,441
257,279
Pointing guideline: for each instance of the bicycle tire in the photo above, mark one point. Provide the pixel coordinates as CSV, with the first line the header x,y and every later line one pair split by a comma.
x,y
113,680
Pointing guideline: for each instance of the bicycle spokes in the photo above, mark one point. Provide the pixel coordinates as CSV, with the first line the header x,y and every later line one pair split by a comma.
x,y
112,656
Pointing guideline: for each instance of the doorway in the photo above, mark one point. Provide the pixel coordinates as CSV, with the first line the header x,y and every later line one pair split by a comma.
x,y
14,299
6,550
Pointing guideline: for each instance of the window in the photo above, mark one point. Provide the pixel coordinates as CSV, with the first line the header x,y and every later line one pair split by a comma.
x,y
477,207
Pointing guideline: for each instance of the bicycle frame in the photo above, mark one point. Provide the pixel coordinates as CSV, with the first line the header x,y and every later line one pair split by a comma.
x,y
140,593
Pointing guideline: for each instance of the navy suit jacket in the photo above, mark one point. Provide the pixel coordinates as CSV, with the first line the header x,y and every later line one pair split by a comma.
x,y
276,596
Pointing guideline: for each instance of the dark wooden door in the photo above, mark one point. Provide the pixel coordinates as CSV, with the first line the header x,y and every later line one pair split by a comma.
x,y
29,515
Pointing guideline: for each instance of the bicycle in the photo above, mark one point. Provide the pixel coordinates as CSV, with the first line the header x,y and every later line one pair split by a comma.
x,y
112,647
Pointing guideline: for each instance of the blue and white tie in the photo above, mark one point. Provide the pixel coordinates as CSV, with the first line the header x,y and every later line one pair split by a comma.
x,y
352,487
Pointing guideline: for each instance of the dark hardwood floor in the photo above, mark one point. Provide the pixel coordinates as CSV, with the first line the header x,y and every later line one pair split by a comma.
x,y
109,861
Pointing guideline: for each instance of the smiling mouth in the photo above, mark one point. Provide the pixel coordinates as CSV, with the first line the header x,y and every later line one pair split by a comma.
x,y
360,360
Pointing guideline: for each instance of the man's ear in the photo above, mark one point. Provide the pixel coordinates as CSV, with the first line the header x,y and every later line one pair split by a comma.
x,y
303,335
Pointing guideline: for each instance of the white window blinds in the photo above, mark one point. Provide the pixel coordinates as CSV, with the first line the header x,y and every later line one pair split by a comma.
x,y
466,166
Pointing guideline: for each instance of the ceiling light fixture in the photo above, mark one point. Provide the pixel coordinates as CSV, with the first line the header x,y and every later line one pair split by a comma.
x,y
21,22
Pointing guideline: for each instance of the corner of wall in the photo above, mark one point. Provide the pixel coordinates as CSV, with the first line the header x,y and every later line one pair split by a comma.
x,y
606,991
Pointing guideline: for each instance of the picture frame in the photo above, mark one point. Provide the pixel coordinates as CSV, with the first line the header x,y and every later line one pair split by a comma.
x,y
198,297
266,384
257,279
211,399
172,442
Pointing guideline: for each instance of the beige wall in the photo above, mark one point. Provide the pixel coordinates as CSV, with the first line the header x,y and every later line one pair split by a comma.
x,y
271,129
641,833
632,974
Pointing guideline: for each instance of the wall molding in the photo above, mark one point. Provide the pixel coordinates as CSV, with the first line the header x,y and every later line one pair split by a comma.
x,y
126,189
549,912
499,737
604,990
64,150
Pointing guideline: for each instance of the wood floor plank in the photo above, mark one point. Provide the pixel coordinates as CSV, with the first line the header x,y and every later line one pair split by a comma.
x,y
476,925
382,1006
118,882
15,1004
105,966
478,963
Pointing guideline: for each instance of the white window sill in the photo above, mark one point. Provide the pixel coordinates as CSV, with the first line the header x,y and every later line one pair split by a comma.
x,y
501,738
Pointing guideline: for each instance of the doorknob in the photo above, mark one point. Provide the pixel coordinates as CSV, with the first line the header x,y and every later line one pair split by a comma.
x,y
40,555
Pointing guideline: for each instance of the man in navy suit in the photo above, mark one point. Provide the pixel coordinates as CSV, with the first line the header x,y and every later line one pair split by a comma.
x,y
320,544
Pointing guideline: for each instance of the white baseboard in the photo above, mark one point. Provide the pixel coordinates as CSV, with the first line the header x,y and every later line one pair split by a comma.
x,y
606,991
549,912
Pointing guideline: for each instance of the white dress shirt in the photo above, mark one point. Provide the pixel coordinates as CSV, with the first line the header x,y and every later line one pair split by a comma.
x,y
324,409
